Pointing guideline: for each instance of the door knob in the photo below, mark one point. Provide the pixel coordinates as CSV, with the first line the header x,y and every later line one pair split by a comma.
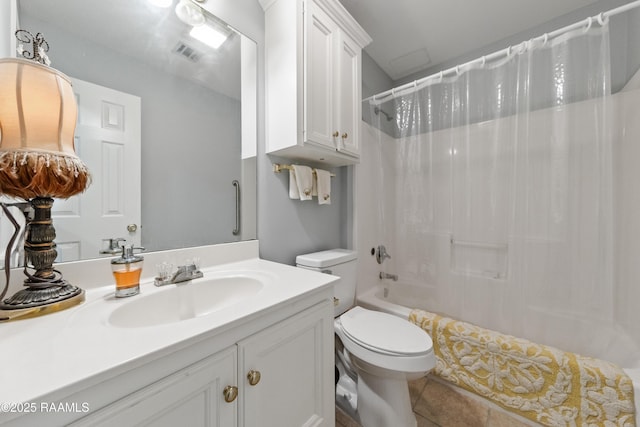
x,y
132,228
230,393
253,377
345,135
336,134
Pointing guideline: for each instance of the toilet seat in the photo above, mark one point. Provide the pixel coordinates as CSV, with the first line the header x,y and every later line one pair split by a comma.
x,y
378,348
385,333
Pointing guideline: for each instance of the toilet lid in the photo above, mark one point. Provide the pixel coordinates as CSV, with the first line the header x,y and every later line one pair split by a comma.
x,y
385,333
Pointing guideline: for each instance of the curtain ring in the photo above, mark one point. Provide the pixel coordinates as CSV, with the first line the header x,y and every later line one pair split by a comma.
x,y
522,48
589,23
484,60
602,20
545,39
458,70
441,76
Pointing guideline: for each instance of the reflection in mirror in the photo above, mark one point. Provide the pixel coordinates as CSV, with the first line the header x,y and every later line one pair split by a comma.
x,y
166,124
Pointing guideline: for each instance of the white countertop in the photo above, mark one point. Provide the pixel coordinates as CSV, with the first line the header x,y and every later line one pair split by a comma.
x,y
46,354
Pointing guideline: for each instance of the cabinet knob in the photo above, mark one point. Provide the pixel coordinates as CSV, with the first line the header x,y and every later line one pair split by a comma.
x,y
345,135
230,393
336,134
253,377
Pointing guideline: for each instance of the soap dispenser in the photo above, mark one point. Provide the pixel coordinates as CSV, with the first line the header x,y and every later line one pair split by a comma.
x,y
126,272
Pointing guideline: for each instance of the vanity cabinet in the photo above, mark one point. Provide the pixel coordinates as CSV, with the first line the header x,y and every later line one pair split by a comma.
x,y
287,373
313,80
279,376
193,396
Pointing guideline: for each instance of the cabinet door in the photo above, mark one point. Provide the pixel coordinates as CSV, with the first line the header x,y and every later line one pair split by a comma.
x,y
193,396
348,108
295,361
321,36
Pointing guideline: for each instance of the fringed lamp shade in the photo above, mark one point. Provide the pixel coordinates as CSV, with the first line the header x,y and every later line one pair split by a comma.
x,y
37,122
37,163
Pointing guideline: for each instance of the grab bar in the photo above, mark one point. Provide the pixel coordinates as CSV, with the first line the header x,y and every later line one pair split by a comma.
x,y
236,184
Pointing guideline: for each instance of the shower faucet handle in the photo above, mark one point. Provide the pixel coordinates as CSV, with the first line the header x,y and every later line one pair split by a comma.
x,y
381,254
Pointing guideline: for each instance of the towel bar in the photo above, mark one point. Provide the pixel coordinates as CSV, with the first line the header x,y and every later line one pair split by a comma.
x,y
277,168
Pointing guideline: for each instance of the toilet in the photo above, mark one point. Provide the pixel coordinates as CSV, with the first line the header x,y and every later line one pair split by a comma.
x,y
376,353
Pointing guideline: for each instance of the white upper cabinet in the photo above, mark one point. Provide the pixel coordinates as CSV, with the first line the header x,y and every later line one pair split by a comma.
x,y
313,80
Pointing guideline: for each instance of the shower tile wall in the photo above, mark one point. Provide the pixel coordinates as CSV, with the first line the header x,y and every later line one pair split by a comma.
x,y
432,255
627,208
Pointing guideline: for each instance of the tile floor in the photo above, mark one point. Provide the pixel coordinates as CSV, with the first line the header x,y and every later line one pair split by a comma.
x,y
437,404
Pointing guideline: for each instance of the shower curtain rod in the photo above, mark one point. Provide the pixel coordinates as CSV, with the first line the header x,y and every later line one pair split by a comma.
x,y
600,18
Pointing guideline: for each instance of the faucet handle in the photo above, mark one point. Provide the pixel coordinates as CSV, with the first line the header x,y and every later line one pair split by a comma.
x,y
114,245
381,254
127,251
164,271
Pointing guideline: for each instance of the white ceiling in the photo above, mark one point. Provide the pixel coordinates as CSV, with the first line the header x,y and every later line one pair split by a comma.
x,y
413,35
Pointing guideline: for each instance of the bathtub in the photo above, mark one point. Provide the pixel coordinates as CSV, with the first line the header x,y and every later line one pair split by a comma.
x,y
378,298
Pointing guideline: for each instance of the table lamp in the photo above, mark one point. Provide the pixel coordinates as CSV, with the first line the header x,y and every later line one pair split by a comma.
x,y
38,162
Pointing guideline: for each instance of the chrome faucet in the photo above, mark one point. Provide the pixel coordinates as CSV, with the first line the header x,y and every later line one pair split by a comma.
x,y
184,273
384,275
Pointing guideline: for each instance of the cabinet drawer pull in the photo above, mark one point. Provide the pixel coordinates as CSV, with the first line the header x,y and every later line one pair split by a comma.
x,y
253,377
230,393
336,134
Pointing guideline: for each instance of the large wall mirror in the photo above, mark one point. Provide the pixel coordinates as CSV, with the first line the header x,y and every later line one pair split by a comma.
x,y
167,123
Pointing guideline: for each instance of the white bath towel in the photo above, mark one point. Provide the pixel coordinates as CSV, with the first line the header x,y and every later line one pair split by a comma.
x,y
304,179
324,186
293,185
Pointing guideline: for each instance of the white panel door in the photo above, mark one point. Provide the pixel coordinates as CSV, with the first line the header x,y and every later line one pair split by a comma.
x,y
108,140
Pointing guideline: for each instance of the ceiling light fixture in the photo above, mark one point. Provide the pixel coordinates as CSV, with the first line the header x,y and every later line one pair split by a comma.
x,y
190,13
209,35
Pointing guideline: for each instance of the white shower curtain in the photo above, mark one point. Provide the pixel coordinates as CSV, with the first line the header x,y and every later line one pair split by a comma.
x,y
500,207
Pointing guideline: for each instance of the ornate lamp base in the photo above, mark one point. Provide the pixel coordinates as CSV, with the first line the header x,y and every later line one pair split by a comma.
x,y
45,290
36,297
51,307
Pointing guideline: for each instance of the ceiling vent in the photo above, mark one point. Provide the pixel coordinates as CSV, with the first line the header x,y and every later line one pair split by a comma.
x,y
187,51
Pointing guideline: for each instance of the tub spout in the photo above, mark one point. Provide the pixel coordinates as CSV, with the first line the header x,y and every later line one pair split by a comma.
x,y
384,275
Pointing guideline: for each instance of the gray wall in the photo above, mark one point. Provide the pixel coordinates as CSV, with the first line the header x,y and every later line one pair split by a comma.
x,y
374,79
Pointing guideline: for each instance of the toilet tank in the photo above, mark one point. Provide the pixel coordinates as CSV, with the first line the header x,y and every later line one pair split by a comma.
x,y
341,263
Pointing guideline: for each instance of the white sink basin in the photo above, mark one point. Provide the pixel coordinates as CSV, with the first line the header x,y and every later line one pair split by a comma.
x,y
175,303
